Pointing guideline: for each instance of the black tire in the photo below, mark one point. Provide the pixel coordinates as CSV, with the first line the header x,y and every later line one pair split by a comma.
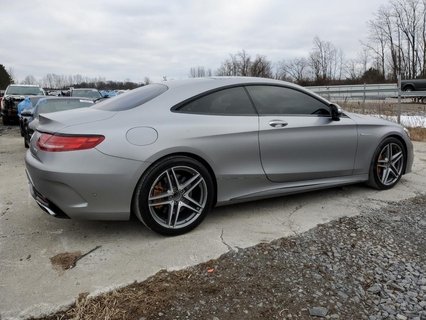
x,y
379,178
26,142
21,128
5,120
179,209
408,88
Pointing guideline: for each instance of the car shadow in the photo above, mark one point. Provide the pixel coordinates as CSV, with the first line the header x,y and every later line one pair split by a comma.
x,y
107,231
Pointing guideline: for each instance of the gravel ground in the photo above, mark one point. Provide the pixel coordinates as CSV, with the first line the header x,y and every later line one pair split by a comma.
x,y
371,266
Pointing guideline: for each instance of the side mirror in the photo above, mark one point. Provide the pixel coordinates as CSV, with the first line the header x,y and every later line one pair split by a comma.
x,y
336,112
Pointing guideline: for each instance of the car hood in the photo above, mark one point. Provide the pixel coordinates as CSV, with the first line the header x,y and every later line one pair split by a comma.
x,y
53,122
363,119
13,98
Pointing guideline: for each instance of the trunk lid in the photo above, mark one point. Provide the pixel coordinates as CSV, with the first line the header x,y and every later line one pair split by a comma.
x,y
54,122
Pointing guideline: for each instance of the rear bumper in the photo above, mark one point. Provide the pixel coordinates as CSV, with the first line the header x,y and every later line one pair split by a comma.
x,y
44,203
83,185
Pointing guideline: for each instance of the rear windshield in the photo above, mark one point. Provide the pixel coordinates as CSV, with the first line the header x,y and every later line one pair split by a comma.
x,y
133,98
55,105
24,91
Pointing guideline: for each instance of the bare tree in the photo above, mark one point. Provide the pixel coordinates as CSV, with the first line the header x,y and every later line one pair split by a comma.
x,y
11,72
199,72
397,38
407,19
260,67
296,69
323,60
241,64
29,79
229,67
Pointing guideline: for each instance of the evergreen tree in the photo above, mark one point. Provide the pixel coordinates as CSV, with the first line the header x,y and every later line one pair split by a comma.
x,y
5,78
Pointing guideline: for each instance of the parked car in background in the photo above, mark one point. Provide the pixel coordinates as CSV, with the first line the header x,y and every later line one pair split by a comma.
x,y
92,94
167,153
28,103
413,85
30,117
14,94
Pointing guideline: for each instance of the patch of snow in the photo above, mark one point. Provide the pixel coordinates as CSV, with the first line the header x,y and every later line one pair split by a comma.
x,y
406,121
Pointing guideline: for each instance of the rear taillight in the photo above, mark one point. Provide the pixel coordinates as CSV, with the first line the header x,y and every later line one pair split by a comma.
x,y
57,143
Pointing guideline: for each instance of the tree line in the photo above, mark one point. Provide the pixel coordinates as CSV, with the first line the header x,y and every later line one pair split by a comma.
x,y
62,82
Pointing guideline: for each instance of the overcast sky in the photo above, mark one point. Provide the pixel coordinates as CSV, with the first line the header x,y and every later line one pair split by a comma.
x,y
132,39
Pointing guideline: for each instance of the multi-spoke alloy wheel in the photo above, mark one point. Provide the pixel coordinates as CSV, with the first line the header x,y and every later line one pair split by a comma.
x,y
388,164
174,196
177,197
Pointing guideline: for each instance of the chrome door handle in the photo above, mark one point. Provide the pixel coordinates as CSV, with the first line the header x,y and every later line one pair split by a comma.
x,y
278,123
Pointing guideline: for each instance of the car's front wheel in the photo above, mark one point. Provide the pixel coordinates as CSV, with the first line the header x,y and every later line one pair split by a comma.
x,y
388,164
174,195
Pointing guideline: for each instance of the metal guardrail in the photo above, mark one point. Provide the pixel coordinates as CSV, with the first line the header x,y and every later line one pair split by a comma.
x,y
364,92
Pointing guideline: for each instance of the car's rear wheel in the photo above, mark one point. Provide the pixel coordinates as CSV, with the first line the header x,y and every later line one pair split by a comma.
x,y
388,164
174,195
27,138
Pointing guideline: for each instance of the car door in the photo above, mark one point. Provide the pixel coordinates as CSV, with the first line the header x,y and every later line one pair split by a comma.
x,y
298,139
223,126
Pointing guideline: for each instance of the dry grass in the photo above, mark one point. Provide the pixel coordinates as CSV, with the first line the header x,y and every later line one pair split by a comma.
x,y
132,302
66,260
387,108
390,109
418,134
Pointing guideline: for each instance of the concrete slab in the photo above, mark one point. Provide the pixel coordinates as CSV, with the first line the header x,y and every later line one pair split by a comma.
x,y
28,237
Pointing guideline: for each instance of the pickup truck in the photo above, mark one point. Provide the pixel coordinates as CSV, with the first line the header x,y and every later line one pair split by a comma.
x,y
413,85
14,94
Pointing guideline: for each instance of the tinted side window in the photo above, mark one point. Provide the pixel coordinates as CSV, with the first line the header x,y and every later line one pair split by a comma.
x,y
280,100
233,101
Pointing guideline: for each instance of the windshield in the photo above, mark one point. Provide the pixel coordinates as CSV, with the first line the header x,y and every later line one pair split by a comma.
x,y
24,91
55,105
91,93
133,98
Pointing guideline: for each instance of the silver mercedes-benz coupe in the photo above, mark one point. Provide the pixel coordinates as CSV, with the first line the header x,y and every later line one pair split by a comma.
x,y
169,152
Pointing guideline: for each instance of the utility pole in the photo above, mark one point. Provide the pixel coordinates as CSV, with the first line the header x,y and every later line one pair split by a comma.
x,y
399,98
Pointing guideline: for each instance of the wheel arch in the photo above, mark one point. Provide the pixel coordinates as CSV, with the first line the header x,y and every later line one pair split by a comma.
x,y
408,86
400,139
176,154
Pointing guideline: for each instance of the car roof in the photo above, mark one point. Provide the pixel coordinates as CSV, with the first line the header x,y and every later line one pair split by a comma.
x,y
195,85
24,85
